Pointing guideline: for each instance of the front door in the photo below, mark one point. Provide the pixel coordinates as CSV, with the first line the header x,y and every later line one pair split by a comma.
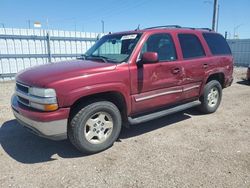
x,y
157,84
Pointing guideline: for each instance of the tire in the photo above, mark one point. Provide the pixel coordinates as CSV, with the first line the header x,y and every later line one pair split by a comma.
x,y
102,116
209,100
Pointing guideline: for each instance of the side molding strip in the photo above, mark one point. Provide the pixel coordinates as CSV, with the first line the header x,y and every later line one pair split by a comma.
x,y
192,87
157,95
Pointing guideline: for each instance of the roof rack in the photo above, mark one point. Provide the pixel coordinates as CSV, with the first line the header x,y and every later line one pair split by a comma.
x,y
164,26
178,27
197,28
204,28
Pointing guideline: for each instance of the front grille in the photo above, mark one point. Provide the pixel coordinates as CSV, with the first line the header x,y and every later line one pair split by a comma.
x,y
23,100
22,88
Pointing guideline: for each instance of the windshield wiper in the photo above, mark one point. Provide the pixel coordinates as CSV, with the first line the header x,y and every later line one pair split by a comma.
x,y
103,58
83,56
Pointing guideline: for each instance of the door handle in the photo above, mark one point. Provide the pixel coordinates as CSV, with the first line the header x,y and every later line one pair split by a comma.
x,y
176,70
205,65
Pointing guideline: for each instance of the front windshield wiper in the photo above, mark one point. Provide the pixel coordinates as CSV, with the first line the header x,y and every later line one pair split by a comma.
x,y
104,59
83,56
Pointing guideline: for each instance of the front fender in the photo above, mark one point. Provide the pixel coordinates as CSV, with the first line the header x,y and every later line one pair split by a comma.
x,y
71,97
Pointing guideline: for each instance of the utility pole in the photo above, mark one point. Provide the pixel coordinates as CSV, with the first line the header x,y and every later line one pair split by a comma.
x,y
217,20
3,26
225,34
29,23
215,14
47,24
102,26
235,31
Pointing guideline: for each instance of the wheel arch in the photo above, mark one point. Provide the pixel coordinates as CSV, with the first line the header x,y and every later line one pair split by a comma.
x,y
219,76
112,96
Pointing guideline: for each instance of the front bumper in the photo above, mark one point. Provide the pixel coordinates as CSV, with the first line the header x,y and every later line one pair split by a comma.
x,y
51,125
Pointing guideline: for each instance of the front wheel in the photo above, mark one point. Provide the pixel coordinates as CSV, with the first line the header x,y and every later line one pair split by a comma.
x,y
95,127
211,98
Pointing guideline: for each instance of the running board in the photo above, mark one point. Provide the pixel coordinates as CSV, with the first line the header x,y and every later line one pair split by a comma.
x,y
148,117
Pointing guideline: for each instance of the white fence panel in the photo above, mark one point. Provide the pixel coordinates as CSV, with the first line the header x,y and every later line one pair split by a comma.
x,y
23,48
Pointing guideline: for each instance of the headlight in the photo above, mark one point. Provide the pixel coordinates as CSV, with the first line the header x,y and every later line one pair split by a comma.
x,y
42,92
44,99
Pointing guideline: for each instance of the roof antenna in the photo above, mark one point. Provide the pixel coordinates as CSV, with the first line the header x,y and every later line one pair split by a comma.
x,y
138,27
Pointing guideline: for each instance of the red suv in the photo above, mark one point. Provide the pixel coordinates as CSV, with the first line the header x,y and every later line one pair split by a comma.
x,y
125,78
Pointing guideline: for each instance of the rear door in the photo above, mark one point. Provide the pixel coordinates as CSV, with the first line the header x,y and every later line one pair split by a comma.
x,y
194,62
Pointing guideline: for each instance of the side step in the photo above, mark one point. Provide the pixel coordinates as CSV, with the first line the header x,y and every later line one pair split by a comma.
x,y
162,113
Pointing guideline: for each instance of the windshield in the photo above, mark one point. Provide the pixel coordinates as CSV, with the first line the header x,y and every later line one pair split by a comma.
x,y
115,48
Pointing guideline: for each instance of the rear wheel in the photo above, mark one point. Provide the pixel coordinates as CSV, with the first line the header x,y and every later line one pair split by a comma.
x,y
211,98
95,127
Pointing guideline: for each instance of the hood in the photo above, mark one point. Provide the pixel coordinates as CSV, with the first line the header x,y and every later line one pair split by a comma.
x,y
42,75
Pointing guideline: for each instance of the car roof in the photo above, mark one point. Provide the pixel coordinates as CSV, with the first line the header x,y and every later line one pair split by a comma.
x,y
159,29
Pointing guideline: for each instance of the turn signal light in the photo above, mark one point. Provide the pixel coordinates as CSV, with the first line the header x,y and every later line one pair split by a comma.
x,y
50,107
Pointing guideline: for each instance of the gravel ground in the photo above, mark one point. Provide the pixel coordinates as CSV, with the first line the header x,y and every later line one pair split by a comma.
x,y
187,149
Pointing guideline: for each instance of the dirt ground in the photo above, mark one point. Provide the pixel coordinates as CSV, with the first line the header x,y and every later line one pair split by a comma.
x,y
187,149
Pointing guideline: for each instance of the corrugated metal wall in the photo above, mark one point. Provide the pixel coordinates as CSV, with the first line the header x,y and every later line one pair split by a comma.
x,y
241,51
23,48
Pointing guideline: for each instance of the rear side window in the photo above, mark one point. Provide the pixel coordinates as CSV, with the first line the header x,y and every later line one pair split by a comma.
x,y
191,46
217,44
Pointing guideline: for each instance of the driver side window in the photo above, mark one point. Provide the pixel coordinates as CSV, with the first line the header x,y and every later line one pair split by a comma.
x,y
161,44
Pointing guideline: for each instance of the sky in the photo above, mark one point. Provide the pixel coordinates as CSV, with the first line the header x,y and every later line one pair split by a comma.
x,y
120,15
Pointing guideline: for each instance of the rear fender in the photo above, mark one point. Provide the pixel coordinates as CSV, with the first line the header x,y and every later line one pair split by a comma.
x,y
210,73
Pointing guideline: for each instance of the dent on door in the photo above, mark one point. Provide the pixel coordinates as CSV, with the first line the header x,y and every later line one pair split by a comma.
x,y
157,86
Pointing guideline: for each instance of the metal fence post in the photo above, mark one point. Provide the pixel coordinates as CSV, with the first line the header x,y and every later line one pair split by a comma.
x,y
48,46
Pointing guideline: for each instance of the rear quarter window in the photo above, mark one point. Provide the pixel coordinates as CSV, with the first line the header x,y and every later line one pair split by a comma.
x,y
217,44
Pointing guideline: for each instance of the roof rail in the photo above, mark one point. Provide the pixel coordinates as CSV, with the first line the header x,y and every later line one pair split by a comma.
x,y
177,26
197,28
203,28
164,26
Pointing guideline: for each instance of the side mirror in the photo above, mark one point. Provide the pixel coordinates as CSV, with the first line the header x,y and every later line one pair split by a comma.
x,y
149,57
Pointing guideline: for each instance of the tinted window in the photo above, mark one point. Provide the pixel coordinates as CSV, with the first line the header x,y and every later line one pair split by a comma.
x,y
191,46
217,44
161,44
